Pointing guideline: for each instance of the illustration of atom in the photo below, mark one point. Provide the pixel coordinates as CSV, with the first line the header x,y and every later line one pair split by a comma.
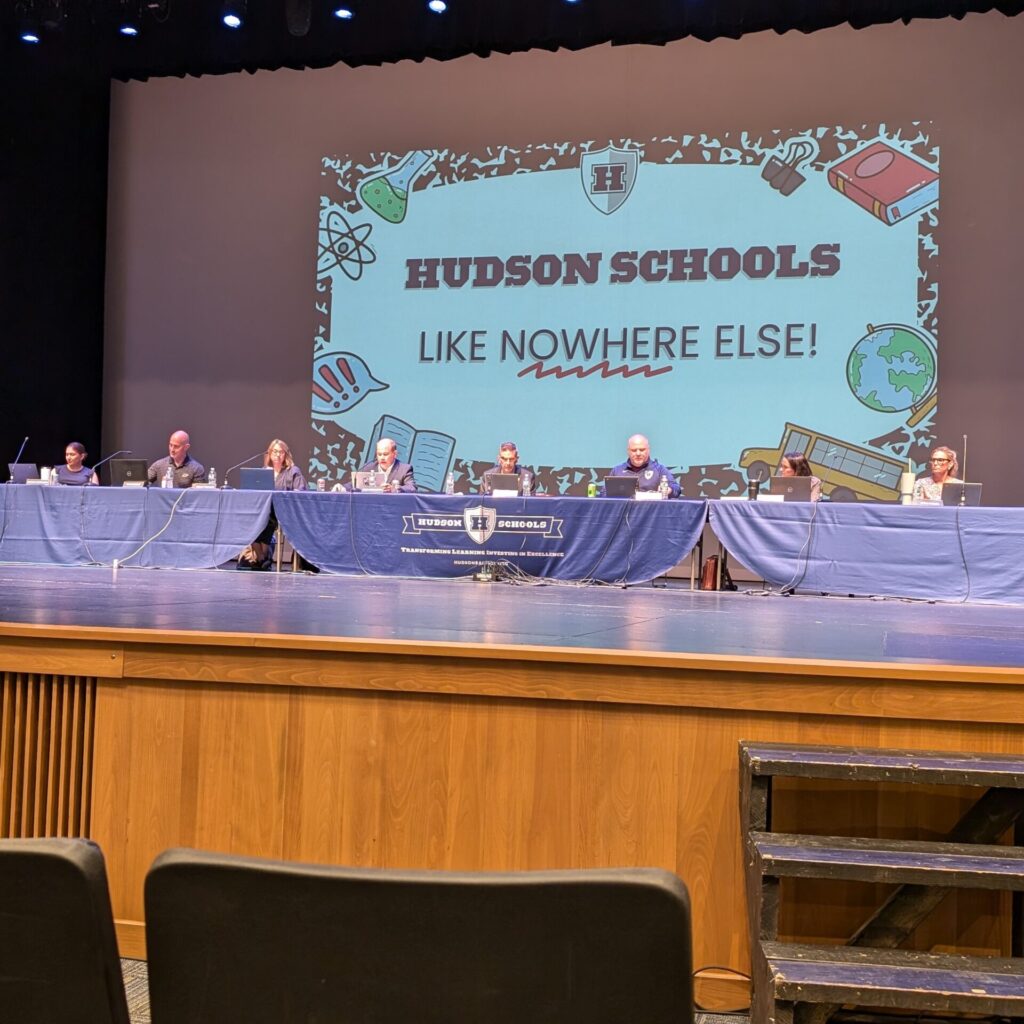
x,y
343,246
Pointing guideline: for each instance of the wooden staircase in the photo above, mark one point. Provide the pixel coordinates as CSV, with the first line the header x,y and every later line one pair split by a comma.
x,y
805,984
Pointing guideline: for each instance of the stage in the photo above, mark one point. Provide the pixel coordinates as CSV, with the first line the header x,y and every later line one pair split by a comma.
x,y
468,725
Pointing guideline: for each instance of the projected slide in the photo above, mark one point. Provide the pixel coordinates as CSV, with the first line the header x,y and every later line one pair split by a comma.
x,y
732,298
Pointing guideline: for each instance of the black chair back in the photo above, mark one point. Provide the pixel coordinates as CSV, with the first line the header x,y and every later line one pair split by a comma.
x,y
58,953
239,939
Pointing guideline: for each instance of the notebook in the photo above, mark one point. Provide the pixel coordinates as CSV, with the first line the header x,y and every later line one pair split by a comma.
x,y
128,471
792,488
503,485
620,486
256,478
368,480
22,472
961,494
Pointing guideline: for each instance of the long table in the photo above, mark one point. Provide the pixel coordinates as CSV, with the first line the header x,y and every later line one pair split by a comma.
x,y
437,535
190,529
914,551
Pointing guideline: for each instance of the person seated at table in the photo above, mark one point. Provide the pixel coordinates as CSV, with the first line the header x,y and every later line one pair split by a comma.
x,y
648,471
287,477
74,473
398,475
185,470
944,469
507,464
796,464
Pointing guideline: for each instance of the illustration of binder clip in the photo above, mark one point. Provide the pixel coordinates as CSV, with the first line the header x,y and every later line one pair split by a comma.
x,y
781,172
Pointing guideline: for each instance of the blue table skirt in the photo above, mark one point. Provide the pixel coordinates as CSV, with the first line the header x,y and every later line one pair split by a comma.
x,y
916,551
95,525
435,535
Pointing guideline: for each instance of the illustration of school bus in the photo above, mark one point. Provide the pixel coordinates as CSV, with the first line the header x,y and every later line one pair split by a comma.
x,y
847,471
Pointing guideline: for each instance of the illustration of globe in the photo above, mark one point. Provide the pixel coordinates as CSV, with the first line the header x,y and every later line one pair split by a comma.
x,y
892,368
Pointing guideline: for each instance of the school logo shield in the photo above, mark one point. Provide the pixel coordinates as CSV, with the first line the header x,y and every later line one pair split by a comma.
x,y
609,175
480,523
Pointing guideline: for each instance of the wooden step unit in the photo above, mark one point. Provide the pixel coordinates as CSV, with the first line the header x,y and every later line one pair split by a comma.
x,y
813,981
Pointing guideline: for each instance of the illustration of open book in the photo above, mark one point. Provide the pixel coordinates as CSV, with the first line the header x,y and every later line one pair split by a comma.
x,y
430,451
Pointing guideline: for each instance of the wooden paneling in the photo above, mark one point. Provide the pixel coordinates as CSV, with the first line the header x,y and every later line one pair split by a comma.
x,y
46,742
334,752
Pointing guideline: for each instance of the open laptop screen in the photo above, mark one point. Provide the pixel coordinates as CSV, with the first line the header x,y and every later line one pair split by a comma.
x,y
961,494
792,488
127,471
620,486
22,471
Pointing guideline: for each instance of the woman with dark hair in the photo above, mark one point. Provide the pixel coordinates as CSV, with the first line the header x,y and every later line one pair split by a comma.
x,y
796,464
74,472
943,465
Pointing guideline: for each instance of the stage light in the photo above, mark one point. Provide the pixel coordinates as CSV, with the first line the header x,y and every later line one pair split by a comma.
x,y
437,6
128,21
28,36
233,13
344,13
28,21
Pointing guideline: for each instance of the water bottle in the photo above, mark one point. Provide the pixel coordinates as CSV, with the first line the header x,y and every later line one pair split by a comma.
x,y
449,484
211,477
527,485
168,480
54,479
321,484
663,488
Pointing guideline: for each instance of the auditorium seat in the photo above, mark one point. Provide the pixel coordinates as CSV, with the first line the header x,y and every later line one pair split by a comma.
x,y
58,954
239,939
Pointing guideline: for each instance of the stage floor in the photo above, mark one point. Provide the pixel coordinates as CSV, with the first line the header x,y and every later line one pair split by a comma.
x,y
647,619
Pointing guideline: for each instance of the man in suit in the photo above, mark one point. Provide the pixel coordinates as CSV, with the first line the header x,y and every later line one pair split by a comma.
x,y
398,475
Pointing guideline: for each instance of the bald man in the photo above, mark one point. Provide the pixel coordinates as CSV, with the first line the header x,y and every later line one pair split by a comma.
x,y
186,470
648,471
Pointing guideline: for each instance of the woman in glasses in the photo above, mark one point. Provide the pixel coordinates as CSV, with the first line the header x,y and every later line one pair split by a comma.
x,y
796,464
287,477
944,469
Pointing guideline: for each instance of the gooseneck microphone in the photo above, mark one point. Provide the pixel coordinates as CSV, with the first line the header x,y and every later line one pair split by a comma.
x,y
238,465
103,462
17,458
963,476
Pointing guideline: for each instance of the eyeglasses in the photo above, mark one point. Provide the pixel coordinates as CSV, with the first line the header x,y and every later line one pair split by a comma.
x,y
938,460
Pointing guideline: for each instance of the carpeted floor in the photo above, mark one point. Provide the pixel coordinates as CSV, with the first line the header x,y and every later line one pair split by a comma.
x,y
137,989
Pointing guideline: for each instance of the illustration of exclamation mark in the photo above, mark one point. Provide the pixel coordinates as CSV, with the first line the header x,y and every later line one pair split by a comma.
x,y
814,340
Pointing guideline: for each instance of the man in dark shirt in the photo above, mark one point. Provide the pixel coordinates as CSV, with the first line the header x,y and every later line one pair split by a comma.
x,y
648,471
398,475
185,470
508,463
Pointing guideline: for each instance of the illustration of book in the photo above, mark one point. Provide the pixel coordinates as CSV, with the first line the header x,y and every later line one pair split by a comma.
x,y
430,451
885,181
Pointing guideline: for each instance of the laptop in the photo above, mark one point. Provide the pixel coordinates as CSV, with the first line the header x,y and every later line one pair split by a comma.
x,y
256,478
503,485
620,486
22,472
128,472
961,494
792,488
368,480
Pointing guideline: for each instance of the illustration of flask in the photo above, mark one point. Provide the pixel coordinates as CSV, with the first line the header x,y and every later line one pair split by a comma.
x,y
388,194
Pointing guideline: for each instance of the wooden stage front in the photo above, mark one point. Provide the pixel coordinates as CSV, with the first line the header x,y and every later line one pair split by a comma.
x,y
463,725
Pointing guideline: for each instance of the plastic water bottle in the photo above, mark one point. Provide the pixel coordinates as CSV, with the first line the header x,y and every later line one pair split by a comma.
x,y
527,485
168,480
663,488
54,479
321,484
449,484
211,477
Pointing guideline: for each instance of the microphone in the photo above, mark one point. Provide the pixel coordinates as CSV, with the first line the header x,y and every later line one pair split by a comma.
x,y
17,458
238,465
963,476
103,462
